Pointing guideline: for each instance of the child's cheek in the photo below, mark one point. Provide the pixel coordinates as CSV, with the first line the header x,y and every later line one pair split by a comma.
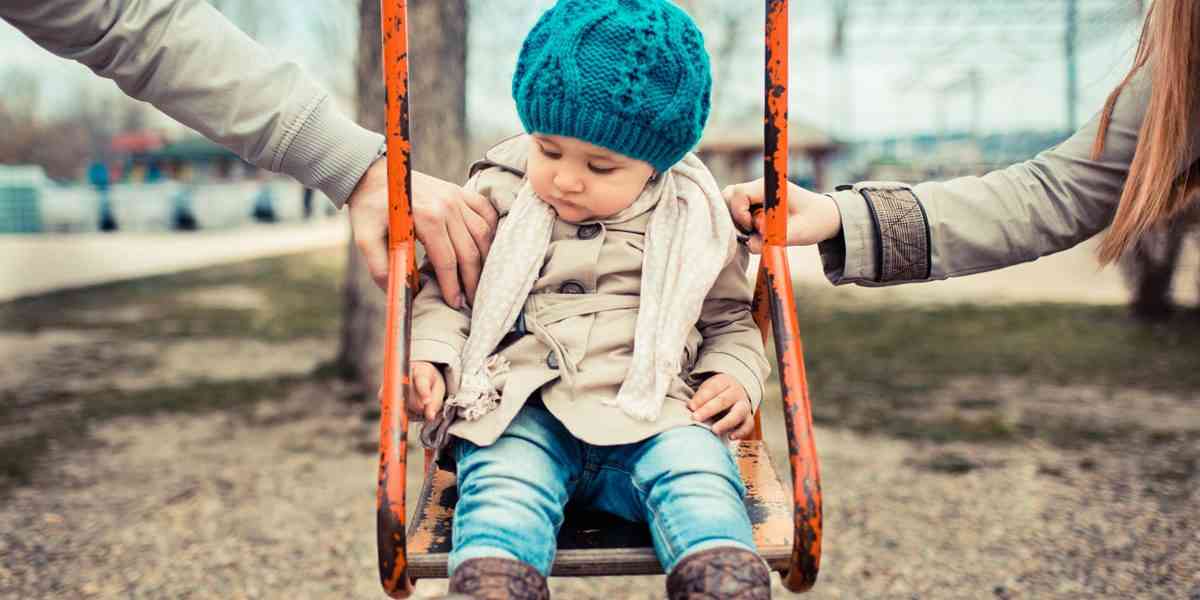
x,y
540,183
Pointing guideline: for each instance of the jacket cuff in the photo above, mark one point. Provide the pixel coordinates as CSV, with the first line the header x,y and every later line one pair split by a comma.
x,y
440,352
721,362
329,152
902,251
850,257
435,351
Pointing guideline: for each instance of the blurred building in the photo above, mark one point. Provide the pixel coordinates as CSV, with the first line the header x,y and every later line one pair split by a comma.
x,y
146,157
736,155
142,182
928,156
20,210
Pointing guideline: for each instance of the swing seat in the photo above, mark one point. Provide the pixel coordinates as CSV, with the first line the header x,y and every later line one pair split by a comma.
x,y
595,543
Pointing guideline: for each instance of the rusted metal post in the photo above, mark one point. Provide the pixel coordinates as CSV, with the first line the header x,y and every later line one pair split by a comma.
x,y
775,287
402,285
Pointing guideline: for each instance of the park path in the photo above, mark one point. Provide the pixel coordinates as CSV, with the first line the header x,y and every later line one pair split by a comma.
x,y
37,264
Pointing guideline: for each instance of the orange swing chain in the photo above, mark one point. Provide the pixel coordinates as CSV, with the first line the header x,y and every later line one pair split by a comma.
x,y
774,303
402,286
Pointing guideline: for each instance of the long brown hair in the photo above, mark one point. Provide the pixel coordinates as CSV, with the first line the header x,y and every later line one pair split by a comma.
x,y
1155,191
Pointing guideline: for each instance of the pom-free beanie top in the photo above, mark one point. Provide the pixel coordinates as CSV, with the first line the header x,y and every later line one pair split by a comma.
x,y
628,75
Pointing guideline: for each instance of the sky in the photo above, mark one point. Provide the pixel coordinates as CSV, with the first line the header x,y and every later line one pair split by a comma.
x,y
879,90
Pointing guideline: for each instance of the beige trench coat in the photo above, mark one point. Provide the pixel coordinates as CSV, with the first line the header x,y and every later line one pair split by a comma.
x,y
581,316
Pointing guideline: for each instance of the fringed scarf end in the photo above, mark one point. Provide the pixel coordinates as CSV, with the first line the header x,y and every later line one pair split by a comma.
x,y
477,396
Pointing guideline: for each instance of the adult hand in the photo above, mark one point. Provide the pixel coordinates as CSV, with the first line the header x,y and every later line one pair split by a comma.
x,y
812,217
455,226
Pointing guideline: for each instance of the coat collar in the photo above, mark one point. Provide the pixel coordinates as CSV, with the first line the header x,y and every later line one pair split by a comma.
x,y
509,154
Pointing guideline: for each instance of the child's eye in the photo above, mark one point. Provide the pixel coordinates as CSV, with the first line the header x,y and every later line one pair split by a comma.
x,y
601,170
550,154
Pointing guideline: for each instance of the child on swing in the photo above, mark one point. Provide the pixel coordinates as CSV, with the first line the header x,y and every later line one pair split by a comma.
x,y
610,344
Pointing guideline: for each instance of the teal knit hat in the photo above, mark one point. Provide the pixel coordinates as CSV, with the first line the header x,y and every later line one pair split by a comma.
x,y
628,75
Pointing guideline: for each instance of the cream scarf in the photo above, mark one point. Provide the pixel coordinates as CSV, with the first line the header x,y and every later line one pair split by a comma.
x,y
689,240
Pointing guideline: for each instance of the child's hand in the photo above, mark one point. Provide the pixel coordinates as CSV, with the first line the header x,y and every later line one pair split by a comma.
x,y
428,391
812,217
720,393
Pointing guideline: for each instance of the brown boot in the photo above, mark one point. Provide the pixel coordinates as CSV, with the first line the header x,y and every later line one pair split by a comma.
x,y
720,573
495,578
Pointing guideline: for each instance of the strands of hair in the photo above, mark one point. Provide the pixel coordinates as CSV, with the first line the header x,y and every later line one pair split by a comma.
x,y
1160,185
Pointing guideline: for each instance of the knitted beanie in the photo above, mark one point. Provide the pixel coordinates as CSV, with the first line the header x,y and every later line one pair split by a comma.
x,y
628,75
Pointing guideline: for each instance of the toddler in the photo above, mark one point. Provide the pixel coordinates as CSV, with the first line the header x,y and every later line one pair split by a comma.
x,y
610,345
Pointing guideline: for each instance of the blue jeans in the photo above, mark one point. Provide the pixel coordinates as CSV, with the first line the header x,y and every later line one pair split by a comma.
x,y
683,483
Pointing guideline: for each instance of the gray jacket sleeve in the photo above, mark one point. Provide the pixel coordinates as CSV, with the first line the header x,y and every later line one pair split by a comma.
x,y
891,234
185,58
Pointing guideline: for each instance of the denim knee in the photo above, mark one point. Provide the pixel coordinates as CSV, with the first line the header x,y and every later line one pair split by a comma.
x,y
511,496
693,494
686,450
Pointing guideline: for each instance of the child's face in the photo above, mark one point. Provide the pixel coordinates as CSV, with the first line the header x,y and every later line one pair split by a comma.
x,y
582,181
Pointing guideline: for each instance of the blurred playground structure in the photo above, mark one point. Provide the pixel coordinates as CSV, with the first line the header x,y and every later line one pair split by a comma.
x,y
144,184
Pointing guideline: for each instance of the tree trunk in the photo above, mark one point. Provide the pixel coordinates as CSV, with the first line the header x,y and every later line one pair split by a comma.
x,y
1149,269
437,31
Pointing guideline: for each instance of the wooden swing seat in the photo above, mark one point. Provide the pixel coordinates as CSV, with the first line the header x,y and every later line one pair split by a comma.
x,y
596,543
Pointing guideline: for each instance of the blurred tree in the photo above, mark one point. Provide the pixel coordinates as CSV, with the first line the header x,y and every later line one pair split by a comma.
x,y
727,26
58,145
437,32
1149,270
18,114
332,28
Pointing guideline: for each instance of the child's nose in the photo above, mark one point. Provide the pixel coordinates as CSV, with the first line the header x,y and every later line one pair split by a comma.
x,y
566,181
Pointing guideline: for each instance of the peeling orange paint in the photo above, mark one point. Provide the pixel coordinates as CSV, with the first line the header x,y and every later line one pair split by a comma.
x,y
775,138
772,527
775,305
434,516
802,452
402,283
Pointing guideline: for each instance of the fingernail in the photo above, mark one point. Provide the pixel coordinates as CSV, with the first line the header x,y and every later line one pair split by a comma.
x,y
460,301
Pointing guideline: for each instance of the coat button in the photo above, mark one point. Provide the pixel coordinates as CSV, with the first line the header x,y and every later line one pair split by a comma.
x,y
571,287
589,231
552,360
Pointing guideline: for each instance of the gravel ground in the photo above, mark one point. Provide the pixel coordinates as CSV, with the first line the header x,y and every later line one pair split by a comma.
x,y
278,502
274,498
